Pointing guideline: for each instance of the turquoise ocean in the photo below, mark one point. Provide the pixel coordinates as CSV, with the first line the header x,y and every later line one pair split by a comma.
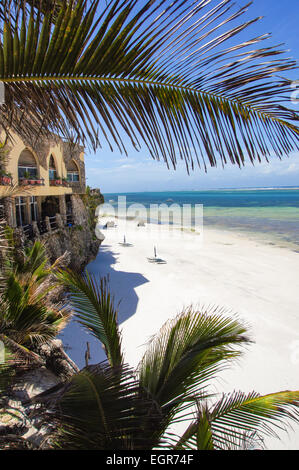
x,y
270,215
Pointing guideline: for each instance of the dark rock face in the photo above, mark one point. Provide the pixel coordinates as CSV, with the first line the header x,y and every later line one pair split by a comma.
x,y
21,423
78,241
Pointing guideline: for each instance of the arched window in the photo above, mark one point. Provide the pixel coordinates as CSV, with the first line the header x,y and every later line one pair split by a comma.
x,y
52,169
73,172
27,167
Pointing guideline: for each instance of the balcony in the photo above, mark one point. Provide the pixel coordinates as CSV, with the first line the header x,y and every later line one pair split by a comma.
x,y
59,182
5,180
55,182
31,181
47,225
28,173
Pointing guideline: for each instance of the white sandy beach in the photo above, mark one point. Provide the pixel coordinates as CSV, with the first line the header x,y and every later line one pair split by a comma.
x,y
258,282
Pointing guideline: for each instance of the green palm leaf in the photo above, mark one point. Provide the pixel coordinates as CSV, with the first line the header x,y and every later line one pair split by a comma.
x,y
165,74
102,408
239,417
94,308
35,260
26,314
187,353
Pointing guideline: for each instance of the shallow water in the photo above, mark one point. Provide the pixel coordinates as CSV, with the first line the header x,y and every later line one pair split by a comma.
x,y
271,215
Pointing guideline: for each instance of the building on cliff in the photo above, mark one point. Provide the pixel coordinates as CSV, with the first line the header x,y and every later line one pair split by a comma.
x,y
52,174
49,177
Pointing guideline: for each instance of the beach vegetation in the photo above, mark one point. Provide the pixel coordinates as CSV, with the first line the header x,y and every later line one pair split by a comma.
x,y
92,199
27,317
110,405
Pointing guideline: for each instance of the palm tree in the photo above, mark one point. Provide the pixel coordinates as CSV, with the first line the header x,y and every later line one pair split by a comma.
x,y
111,406
27,318
171,76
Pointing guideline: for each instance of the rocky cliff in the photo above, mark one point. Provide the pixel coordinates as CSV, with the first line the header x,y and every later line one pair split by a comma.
x,y
78,239
21,423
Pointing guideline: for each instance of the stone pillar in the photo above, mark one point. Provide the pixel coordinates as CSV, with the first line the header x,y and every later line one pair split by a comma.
x,y
9,211
79,211
27,210
62,208
48,225
19,237
59,221
35,229
39,207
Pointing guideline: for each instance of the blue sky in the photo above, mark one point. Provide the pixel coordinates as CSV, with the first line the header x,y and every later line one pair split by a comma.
x,y
113,172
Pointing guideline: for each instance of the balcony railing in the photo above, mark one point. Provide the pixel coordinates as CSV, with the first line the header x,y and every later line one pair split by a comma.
x,y
53,222
28,231
69,220
42,226
49,224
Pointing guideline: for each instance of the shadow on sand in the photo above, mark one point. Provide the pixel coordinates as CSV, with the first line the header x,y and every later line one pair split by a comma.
x,y
122,287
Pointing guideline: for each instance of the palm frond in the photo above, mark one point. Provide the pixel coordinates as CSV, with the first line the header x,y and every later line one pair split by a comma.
x,y
187,352
20,353
26,316
95,310
27,321
172,76
34,261
102,408
239,417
